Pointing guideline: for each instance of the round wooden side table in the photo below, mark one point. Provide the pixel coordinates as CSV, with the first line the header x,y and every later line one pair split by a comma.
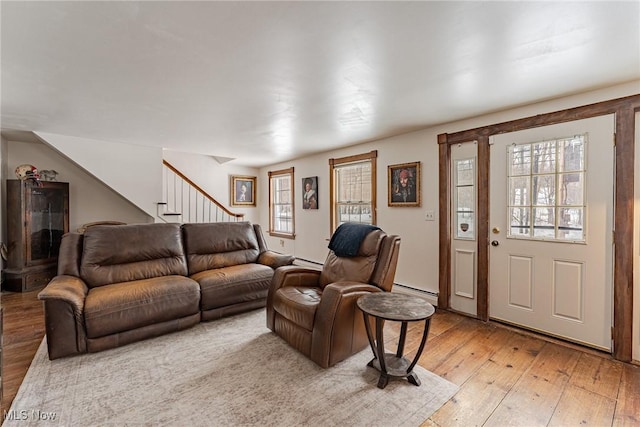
x,y
401,308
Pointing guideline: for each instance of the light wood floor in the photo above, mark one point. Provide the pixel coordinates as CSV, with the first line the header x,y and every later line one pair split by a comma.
x,y
506,376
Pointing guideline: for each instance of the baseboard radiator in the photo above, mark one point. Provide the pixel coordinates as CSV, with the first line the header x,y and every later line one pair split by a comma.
x,y
431,297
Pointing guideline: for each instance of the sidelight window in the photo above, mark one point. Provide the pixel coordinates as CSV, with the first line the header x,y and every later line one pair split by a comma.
x,y
465,198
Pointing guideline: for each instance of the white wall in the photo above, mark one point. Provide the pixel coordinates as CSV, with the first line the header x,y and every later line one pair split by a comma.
x,y
214,178
131,170
89,199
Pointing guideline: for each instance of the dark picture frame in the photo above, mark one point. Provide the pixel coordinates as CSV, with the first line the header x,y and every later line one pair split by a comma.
x,y
310,194
243,190
404,185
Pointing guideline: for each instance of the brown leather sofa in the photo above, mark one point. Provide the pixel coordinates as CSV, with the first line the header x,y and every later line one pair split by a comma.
x,y
118,284
315,311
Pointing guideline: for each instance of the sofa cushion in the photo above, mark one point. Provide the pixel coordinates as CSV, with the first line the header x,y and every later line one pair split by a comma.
x,y
122,253
232,285
130,305
217,245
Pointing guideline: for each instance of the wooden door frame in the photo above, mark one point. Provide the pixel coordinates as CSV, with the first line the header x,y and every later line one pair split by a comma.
x,y
624,110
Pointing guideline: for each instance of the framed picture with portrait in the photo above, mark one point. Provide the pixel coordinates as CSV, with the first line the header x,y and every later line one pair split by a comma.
x,y
404,184
243,190
310,192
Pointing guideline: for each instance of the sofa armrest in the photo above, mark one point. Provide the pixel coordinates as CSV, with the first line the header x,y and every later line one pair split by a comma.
x,y
71,289
63,301
274,259
289,275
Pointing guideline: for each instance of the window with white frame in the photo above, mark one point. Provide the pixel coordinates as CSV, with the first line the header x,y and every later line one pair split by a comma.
x,y
353,189
546,182
281,217
465,198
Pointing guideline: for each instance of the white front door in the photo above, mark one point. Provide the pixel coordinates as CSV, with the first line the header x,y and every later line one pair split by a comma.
x,y
551,230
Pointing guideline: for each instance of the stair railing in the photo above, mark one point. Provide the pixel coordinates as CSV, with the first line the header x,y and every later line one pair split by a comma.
x,y
186,202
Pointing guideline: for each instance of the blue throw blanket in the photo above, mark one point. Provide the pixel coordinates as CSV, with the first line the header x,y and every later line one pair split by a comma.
x,y
347,238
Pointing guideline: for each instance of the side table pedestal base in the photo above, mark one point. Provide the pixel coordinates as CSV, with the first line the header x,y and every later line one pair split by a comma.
x,y
396,367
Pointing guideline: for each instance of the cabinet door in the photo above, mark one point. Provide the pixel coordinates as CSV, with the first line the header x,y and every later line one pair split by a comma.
x,y
47,221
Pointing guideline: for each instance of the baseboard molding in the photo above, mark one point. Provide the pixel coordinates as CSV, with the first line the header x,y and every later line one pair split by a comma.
x,y
431,297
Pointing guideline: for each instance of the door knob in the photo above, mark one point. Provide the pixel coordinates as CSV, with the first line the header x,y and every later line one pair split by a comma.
x,y
494,243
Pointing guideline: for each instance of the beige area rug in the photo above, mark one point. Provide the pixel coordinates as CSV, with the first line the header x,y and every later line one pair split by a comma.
x,y
228,372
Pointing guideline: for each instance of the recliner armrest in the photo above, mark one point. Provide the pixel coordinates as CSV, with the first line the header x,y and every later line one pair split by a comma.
x,y
336,318
348,287
289,275
274,259
294,275
339,294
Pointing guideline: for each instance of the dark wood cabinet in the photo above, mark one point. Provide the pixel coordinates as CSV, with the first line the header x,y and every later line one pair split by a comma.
x,y
37,217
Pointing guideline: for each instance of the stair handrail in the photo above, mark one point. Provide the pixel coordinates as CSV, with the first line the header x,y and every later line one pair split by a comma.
x,y
199,189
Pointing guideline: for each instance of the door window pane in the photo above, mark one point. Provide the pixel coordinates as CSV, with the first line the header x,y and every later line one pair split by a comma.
x,y
571,153
520,222
546,189
544,157
570,223
571,189
519,191
520,160
544,222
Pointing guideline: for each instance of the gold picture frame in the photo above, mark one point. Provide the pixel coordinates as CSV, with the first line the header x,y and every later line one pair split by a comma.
x,y
404,185
243,190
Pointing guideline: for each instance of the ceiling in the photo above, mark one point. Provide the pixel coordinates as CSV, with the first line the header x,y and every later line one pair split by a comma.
x,y
264,82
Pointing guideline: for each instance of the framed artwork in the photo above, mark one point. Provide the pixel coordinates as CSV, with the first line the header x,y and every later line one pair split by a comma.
x,y
404,184
243,190
310,192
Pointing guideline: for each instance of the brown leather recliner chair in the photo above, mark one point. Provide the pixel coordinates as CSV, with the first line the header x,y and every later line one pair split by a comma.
x,y
315,311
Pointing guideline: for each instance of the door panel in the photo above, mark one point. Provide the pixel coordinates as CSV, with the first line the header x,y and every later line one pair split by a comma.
x,y
464,274
521,281
568,287
559,287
